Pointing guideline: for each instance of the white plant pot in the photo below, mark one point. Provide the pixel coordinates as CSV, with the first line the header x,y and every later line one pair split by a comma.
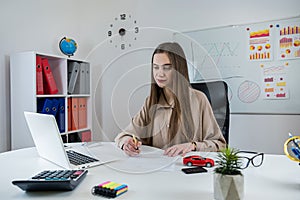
x,y
228,187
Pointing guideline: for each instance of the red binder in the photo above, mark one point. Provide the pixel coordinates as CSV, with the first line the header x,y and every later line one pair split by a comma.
x,y
74,115
82,113
50,84
86,136
39,76
69,107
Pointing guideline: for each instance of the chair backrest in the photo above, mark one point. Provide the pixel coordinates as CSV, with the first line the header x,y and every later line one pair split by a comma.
x,y
217,94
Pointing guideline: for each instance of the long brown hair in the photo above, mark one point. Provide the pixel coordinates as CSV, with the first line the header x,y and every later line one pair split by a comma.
x,y
181,118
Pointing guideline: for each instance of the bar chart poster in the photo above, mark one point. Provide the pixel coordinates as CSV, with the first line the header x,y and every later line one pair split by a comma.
x,y
260,43
289,41
275,81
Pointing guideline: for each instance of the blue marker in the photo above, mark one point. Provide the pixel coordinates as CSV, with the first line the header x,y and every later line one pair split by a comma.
x,y
296,152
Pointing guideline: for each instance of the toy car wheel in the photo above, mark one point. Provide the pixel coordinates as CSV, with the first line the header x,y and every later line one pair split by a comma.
x,y
208,165
189,164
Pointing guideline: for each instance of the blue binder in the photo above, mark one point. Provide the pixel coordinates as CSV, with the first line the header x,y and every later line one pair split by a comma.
x,y
40,104
60,117
47,107
54,108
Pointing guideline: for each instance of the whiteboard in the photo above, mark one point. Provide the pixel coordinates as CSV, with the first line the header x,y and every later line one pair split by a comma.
x,y
260,63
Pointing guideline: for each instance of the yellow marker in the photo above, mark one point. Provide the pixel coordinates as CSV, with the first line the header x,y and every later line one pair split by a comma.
x,y
113,186
107,185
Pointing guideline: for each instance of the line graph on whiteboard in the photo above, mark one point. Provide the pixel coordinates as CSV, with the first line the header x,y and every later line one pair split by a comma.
x,y
219,54
221,49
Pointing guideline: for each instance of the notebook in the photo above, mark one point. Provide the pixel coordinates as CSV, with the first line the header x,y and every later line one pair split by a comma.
x,y
49,144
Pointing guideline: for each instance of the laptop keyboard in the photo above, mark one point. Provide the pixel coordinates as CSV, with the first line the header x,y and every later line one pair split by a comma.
x,y
78,158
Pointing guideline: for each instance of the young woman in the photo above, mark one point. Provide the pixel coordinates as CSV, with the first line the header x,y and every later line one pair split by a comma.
x,y
174,117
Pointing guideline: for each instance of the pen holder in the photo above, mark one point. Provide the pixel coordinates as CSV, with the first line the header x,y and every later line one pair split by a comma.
x,y
292,148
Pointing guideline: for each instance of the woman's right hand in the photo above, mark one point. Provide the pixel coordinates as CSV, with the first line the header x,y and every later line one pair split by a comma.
x,y
131,148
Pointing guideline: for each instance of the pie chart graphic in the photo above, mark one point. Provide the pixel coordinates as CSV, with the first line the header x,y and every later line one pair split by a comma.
x,y
248,92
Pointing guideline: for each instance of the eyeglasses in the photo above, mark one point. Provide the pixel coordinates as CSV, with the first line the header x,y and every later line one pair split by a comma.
x,y
256,160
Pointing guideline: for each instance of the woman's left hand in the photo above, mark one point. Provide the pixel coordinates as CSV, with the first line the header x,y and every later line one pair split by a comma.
x,y
179,149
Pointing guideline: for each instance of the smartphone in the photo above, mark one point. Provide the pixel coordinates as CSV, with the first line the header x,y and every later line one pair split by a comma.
x,y
193,170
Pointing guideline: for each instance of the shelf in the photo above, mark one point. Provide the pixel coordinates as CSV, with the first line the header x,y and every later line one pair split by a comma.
x,y
24,95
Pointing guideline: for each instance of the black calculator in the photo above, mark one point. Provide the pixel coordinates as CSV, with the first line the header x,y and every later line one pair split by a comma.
x,y
51,180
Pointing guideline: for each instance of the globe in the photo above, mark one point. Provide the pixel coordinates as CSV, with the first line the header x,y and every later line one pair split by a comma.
x,y
67,46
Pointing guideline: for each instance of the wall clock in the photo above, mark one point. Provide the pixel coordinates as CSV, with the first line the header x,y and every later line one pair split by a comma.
x,y
123,31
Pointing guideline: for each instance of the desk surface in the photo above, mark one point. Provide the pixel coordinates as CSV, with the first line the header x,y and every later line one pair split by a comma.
x,y
277,178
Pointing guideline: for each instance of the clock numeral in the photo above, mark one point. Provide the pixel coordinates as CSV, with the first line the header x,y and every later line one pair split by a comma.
x,y
109,33
122,46
123,16
136,29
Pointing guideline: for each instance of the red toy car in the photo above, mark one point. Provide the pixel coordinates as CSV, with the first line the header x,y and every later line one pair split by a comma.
x,y
198,161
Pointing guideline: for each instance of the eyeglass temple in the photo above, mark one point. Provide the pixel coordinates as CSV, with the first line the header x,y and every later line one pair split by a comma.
x,y
249,152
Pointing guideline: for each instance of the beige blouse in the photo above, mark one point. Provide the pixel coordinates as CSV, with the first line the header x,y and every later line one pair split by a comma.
x,y
207,134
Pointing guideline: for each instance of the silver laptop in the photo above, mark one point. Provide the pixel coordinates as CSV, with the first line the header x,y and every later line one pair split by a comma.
x,y
49,144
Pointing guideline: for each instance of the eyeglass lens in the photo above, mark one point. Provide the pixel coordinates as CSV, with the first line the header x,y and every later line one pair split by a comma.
x,y
256,160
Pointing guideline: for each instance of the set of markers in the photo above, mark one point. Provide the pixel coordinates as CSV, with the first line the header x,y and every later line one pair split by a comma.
x,y
109,189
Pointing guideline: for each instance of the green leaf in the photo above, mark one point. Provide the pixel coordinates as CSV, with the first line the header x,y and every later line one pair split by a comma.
x,y
228,162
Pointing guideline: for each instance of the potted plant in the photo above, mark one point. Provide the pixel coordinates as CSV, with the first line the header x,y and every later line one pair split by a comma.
x,y
228,178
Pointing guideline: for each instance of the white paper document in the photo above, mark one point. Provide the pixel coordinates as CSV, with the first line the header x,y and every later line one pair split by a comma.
x,y
150,159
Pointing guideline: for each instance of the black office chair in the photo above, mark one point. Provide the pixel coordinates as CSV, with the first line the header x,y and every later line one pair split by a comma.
x,y
217,94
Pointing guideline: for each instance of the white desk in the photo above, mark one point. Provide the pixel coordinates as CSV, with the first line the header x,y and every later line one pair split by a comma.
x,y
278,178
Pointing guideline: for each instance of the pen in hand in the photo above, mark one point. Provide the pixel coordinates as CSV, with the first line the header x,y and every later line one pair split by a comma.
x,y
135,142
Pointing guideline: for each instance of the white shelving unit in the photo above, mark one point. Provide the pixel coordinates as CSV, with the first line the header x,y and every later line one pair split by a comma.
x,y
24,95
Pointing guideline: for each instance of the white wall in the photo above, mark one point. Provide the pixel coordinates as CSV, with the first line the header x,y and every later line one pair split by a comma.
x,y
120,78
